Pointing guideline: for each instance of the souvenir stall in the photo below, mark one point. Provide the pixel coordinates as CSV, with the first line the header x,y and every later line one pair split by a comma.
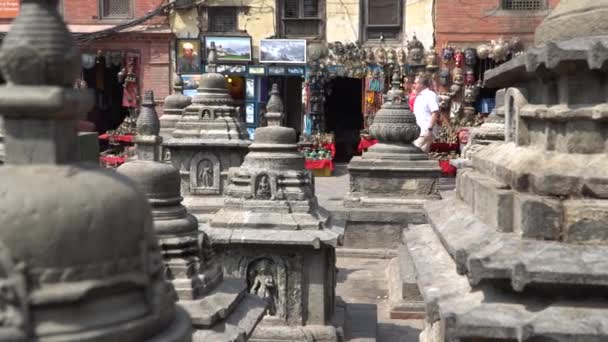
x,y
113,75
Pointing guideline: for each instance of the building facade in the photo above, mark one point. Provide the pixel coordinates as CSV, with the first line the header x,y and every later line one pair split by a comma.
x,y
108,42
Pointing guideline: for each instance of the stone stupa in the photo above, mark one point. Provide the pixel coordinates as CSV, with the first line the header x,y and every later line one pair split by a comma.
x,y
520,251
79,257
220,307
272,233
208,139
173,108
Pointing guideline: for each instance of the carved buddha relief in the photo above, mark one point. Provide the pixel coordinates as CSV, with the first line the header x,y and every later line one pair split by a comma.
x,y
262,187
205,174
263,282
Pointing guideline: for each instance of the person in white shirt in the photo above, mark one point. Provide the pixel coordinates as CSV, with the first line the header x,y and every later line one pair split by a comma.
x,y
426,110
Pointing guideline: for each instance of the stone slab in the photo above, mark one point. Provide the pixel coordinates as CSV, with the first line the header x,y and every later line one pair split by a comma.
x,y
238,326
362,322
485,312
405,301
312,238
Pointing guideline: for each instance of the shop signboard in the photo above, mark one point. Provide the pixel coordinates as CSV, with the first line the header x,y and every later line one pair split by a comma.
x,y
276,70
283,51
9,9
231,69
233,49
250,88
295,70
258,70
250,113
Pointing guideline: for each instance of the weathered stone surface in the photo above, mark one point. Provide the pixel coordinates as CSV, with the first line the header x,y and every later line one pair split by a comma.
x,y
573,19
585,220
173,108
537,217
404,298
80,260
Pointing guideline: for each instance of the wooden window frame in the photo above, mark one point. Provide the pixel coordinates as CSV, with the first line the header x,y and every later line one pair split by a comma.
x,y
543,7
319,19
365,22
236,19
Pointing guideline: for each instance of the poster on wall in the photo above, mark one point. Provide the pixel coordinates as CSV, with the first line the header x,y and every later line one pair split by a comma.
x,y
251,131
250,113
188,56
250,88
230,49
285,51
9,9
191,83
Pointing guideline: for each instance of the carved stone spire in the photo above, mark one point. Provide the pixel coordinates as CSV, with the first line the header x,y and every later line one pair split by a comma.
x,y
173,107
148,128
274,107
211,58
78,256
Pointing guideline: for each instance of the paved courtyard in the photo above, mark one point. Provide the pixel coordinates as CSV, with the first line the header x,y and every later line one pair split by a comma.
x,y
363,283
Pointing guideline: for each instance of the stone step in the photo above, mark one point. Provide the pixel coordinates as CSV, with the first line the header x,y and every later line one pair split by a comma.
x,y
239,325
312,238
216,305
405,301
486,312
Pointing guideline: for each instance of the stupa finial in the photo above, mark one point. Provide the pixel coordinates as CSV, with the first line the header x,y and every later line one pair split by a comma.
x,y
211,58
274,107
148,129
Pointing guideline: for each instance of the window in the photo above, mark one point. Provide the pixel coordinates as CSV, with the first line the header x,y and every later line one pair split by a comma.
x,y
301,18
115,9
222,19
382,19
523,5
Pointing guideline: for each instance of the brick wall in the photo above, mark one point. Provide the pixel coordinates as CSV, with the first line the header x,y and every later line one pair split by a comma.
x,y
87,11
476,21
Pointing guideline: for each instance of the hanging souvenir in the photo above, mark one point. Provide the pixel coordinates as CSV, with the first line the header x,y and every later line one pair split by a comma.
x,y
469,77
401,57
88,60
444,101
129,78
483,51
431,60
458,58
470,94
380,56
444,77
391,56
457,76
370,58
117,58
470,57
415,52
500,50
447,54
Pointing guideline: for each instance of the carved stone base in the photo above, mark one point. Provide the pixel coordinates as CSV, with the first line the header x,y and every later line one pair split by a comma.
x,y
317,333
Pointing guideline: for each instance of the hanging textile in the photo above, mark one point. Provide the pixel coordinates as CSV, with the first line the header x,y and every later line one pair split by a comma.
x,y
129,77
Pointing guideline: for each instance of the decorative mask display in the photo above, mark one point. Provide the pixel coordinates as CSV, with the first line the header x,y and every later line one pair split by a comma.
x,y
469,77
499,50
470,94
381,56
455,88
447,54
483,51
470,57
458,76
459,58
415,51
391,56
401,57
444,77
431,60
370,58
444,101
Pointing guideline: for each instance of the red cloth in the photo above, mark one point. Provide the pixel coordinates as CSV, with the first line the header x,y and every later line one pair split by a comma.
x,y
447,169
331,148
110,160
364,144
319,164
412,98
120,138
444,147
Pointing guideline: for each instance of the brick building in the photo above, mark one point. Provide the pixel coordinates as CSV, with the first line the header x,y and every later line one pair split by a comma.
x,y
471,22
104,55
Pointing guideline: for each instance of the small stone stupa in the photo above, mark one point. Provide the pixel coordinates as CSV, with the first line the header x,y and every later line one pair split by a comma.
x,y
221,309
272,233
173,108
78,254
520,251
208,139
492,130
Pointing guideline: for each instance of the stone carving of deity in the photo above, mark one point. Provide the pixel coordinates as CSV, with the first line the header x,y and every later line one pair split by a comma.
x,y
206,114
262,283
263,188
205,174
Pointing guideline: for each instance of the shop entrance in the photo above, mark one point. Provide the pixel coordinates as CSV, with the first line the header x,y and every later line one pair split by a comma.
x,y
344,115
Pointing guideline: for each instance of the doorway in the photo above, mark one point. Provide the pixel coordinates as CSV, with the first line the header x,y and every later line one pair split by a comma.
x,y
344,115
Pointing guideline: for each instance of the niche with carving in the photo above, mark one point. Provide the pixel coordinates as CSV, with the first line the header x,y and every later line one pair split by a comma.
x,y
205,174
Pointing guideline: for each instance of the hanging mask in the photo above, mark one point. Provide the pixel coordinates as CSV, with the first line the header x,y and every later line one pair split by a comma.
x,y
88,60
447,55
444,77
459,58
470,57
469,77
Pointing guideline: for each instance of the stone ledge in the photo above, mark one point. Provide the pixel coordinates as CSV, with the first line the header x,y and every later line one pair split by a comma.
x,y
312,238
238,326
485,312
404,297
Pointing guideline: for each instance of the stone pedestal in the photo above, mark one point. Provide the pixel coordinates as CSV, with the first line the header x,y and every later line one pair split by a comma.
x,y
220,307
208,139
272,233
519,251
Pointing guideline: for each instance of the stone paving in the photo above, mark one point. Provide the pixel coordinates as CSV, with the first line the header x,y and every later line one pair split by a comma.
x,y
362,282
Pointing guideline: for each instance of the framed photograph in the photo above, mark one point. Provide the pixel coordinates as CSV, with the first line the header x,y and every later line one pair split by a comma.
x,y
250,113
285,51
250,88
230,49
188,60
257,70
191,83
